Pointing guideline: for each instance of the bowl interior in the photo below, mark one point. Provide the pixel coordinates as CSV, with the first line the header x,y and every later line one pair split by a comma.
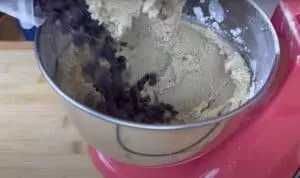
x,y
238,21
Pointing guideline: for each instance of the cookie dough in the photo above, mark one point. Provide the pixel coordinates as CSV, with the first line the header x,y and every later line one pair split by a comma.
x,y
117,15
199,73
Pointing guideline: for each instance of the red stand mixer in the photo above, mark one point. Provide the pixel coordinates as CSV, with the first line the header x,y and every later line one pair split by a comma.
x,y
261,139
268,146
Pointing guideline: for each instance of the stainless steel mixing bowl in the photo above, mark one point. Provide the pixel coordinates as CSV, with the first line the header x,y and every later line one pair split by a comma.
x,y
153,145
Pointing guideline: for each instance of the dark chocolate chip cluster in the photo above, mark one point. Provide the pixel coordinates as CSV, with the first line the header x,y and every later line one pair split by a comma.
x,y
120,99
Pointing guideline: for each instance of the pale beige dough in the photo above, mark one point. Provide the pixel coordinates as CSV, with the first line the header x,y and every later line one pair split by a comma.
x,y
199,73
117,15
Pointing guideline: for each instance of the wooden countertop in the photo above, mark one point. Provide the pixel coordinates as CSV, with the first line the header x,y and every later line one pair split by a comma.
x,y
36,138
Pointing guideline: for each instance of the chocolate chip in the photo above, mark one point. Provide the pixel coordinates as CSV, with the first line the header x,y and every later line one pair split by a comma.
x,y
146,99
121,60
152,79
124,44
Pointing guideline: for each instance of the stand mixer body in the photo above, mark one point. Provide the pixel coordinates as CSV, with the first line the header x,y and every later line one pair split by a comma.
x,y
267,146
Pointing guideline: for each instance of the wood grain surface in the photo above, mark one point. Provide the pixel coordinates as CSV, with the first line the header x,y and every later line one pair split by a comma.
x,y
37,140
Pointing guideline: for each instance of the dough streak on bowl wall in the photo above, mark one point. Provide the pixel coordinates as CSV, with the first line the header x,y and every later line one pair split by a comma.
x,y
199,73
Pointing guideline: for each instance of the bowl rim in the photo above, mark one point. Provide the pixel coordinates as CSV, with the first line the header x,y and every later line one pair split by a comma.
x,y
162,127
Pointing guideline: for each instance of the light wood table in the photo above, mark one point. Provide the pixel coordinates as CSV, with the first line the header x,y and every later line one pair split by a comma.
x,y
37,140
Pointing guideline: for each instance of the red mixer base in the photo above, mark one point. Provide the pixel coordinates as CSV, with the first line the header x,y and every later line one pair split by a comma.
x,y
267,147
